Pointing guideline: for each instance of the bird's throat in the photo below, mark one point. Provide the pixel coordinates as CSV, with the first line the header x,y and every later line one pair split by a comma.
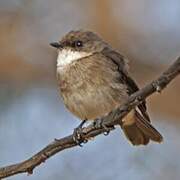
x,y
67,56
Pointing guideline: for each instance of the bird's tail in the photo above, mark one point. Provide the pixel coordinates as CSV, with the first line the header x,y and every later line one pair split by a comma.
x,y
139,130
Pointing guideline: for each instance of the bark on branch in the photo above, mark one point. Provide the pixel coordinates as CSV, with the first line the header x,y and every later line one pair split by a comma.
x,y
90,131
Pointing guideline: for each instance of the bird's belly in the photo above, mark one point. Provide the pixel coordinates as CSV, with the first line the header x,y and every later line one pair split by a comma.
x,y
91,88
91,103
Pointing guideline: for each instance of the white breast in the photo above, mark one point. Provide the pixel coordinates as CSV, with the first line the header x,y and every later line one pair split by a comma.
x,y
67,56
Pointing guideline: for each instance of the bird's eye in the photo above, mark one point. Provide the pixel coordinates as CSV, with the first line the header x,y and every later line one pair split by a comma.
x,y
78,44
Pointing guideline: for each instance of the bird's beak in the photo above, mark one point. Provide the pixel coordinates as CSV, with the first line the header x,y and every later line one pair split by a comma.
x,y
56,45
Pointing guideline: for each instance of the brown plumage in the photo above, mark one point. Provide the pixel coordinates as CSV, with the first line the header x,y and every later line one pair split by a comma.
x,y
97,82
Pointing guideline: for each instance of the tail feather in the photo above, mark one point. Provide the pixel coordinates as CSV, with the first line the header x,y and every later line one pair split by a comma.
x,y
140,131
147,128
135,135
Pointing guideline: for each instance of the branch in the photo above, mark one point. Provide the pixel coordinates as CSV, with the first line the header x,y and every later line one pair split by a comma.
x,y
90,131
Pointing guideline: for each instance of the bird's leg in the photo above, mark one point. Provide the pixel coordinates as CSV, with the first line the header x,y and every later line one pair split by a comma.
x,y
77,134
98,123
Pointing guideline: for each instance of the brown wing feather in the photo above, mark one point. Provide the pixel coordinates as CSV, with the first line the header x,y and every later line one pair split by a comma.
x,y
141,131
125,78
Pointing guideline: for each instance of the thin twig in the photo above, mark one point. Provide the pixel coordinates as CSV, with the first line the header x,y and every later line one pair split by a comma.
x,y
90,131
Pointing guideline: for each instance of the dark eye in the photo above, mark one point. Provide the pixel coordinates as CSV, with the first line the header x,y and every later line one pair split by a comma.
x,y
78,44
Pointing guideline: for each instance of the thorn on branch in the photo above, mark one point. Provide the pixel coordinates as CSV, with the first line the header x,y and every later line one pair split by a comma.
x,y
158,89
30,171
157,86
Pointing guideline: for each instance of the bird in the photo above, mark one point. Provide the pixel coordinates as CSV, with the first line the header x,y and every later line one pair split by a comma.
x,y
94,79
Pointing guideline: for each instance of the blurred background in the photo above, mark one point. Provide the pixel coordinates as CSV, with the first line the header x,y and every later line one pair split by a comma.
x,y
32,113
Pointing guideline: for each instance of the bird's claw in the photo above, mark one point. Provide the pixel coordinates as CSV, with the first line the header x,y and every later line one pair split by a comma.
x,y
98,123
77,135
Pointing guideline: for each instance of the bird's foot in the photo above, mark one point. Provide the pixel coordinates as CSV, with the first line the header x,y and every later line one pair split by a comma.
x,y
98,123
77,134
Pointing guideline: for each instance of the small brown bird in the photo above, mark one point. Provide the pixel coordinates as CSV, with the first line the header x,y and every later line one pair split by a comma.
x,y
94,79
